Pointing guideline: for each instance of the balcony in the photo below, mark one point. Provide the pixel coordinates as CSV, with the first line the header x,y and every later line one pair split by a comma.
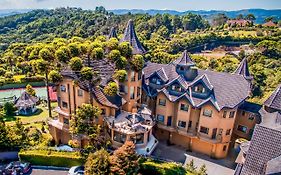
x,y
60,111
57,124
217,139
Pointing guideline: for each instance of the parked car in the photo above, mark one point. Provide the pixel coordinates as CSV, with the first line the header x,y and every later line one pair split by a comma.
x,y
17,168
76,170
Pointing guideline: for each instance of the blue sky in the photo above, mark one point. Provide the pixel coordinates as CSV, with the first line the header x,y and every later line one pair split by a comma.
x,y
180,5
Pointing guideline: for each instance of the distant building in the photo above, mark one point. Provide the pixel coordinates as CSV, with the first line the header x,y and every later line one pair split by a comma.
x,y
26,104
239,23
269,24
262,155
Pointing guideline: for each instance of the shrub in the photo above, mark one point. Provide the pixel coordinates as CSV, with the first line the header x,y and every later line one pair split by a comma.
x,y
161,168
9,108
51,158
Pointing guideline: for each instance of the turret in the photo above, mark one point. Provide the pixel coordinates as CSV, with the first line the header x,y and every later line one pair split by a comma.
x,y
112,33
243,69
131,37
186,67
133,83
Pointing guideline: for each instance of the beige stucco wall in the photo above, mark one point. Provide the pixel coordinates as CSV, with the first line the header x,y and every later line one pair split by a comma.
x,y
244,121
132,103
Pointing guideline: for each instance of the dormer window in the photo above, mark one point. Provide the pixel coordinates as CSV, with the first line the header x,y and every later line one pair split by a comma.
x,y
199,89
176,88
181,68
158,82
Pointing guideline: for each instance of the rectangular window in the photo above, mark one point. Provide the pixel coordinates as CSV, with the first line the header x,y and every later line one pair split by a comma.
x,y
224,148
204,130
199,89
64,104
158,82
160,118
139,75
220,131
66,121
62,88
59,101
228,132
189,124
153,80
103,111
162,102
132,92
139,138
224,114
242,128
181,124
138,91
126,89
207,113
80,92
184,107
133,76
119,137
251,117
231,114
251,131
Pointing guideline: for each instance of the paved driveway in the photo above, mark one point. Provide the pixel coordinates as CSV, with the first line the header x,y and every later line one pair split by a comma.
x,y
37,171
179,154
212,168
172,153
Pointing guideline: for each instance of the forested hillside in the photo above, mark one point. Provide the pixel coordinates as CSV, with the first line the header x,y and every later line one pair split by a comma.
x,y
75,32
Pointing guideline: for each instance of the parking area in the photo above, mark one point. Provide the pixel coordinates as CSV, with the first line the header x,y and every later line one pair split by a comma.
x,y
179,154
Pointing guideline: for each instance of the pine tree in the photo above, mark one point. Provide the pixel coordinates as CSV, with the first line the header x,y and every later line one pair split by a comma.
x,y
124,160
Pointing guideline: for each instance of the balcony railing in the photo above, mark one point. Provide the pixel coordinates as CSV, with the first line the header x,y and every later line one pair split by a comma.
x,y
217,139
56,123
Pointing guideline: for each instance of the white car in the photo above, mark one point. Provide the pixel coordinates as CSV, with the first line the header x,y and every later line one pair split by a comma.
x,y
76,170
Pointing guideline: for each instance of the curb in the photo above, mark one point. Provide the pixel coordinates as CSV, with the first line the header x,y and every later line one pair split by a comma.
x,y
50,168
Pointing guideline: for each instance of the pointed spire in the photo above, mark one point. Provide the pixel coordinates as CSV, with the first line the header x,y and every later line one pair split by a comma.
x,y
274,100
112,33
184,60
243,69
131,37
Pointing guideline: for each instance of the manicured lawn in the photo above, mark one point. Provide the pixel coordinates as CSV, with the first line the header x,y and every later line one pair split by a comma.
x,y
40,116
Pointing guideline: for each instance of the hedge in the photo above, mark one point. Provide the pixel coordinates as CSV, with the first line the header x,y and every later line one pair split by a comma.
x,y
162,168
21,85
51,158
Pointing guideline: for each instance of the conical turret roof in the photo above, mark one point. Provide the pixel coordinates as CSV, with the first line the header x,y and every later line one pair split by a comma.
x,y
184,60
131,37
112,33
243,69
274,101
